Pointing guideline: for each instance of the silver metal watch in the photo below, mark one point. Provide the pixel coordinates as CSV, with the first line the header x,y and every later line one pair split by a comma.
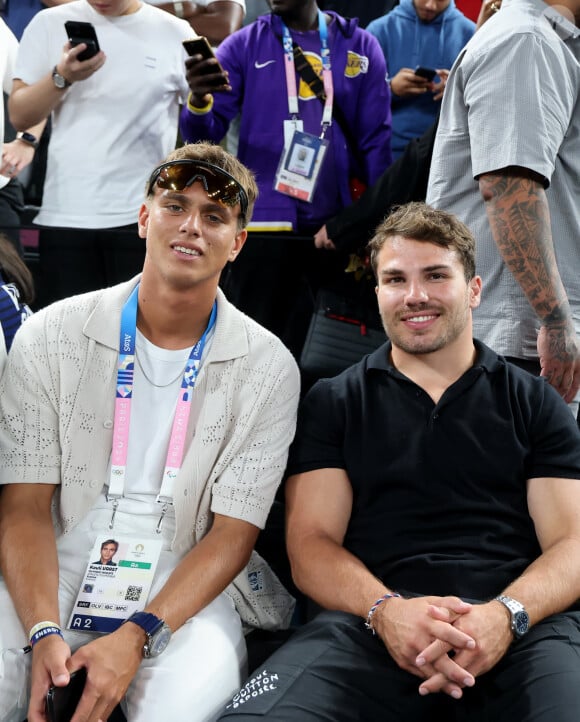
x,y
59,80
520,619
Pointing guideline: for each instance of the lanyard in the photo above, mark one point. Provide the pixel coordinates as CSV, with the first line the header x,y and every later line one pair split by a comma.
x,y
123,397
326,71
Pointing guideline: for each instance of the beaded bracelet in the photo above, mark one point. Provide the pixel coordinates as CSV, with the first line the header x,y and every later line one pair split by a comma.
x,y
43,629
373,609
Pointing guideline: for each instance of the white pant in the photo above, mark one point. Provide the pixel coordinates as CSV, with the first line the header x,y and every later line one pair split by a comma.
x,y
201,669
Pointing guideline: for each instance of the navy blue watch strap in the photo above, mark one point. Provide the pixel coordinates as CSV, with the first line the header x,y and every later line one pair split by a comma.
x,y
148,622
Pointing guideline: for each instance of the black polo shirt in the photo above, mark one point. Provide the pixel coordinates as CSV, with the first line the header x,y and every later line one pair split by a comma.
x,y
439,490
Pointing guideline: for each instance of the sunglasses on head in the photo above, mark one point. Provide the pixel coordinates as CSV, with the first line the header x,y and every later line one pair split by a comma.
x,y
218,183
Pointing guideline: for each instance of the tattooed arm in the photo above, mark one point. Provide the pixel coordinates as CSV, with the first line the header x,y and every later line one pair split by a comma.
x,y
519,217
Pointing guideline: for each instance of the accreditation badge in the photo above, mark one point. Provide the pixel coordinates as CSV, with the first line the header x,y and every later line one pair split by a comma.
x,y
300,165
116,583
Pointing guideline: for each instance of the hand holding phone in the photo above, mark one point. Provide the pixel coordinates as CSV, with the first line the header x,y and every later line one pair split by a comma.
x,y
201,46
203,77
78,33
427,73
61,702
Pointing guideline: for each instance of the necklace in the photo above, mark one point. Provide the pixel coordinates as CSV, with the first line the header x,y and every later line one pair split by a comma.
x,y
158,386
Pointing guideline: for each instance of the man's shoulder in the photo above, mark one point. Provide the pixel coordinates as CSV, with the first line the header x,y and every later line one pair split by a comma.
x,y
527,391
51,18
354,381
520,25
69,315
383,23
249,41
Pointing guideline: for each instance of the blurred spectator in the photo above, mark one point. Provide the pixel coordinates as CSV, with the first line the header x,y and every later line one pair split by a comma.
x,y
113,117
364,11
16,154
255,8
16,292
403,181
18,13
506,161
215,19
427,33
269,275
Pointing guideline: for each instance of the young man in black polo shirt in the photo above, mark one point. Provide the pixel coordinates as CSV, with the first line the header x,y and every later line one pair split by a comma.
x,y
434,512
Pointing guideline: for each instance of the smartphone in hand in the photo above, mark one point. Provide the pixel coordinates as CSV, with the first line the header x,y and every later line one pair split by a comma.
x,y
201,46
427,73
61,702
78,33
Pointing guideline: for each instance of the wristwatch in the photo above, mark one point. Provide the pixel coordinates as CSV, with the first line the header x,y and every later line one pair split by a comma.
x,y
59,80
520,619
27,138
158,633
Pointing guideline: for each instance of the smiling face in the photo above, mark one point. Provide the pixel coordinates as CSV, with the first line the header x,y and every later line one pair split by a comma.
x,y
189,237
424,299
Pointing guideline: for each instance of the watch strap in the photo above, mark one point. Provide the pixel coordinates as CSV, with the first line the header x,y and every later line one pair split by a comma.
x,y
148,622
59,80
519,618
27,138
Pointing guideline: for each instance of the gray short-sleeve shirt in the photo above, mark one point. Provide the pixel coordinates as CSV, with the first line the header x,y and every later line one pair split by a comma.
x,y
512,99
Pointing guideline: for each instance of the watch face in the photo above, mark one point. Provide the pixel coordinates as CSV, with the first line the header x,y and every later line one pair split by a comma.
x,y
521,623
159,641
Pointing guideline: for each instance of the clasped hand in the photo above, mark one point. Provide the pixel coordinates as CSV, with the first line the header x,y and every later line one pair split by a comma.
x,y
420,633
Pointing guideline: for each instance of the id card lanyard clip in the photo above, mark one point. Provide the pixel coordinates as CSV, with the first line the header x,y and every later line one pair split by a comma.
x,y
123,397
290,71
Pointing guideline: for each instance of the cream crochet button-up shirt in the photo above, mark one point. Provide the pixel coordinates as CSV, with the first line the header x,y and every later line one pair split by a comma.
x,y
56,411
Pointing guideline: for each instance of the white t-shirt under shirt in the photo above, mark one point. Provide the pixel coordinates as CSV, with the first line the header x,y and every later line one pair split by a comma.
x,y
110,130
158,377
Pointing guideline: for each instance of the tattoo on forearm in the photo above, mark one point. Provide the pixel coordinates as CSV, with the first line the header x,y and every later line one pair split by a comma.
x,y
519,217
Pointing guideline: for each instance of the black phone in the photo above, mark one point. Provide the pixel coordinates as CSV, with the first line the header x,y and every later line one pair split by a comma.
x,y
201,46
427,73
78,33
61,702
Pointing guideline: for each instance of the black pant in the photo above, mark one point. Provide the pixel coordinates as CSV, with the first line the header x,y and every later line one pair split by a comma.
x,y
334,670
77,260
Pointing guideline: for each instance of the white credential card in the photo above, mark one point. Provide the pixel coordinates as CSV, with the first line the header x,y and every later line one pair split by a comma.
x,y
116,582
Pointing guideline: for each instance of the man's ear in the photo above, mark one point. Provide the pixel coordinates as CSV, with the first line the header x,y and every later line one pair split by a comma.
x,y
475,292
143,221
239,241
